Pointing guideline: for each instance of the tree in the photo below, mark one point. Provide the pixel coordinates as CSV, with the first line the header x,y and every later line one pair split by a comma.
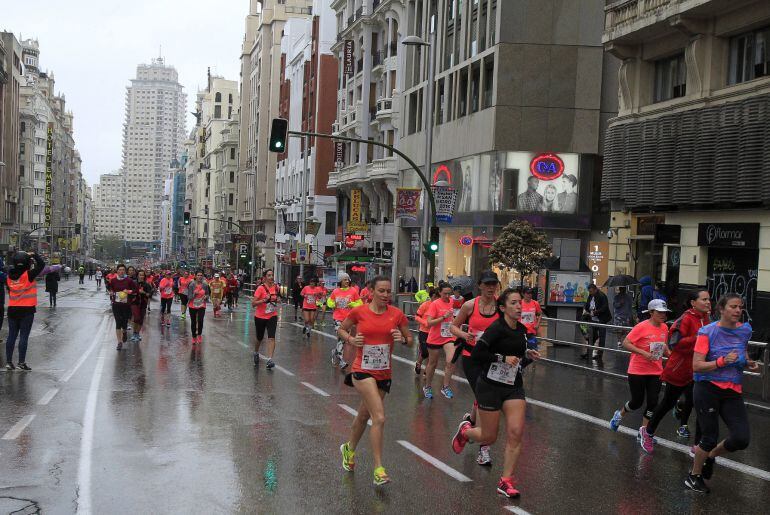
x,y
520,247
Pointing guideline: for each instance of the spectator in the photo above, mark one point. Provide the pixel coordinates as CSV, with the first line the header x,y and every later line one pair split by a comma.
x,y
645,297
597,307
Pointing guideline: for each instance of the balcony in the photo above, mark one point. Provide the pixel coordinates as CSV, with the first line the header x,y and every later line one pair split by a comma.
x,y
626,17
385,169
384,109
335,127
349,174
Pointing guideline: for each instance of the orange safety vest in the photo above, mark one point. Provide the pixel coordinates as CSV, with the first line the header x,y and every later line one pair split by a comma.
x,y
22,291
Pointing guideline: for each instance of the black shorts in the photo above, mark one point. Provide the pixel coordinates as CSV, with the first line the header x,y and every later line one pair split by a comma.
x,y
165,305
436,346
183,299
309,310
266,323
122,313
472,371
423,338
382,384
490,397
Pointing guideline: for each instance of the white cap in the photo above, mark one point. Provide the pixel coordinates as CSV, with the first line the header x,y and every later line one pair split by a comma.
x,y
657,305
216,275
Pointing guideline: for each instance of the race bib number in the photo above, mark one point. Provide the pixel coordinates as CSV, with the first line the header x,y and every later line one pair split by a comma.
x,y
376,357
528,317
121,297
310,299
343,302
198,302
168,291
503,373
445,332
657,349
269,308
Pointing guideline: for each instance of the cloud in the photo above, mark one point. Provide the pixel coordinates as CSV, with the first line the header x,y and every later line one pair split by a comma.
x,y
94,46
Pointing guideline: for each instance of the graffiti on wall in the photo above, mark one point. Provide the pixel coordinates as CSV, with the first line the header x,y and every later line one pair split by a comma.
x,y
744,284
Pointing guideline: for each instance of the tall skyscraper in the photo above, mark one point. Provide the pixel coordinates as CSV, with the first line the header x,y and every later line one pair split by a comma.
x,y
152,137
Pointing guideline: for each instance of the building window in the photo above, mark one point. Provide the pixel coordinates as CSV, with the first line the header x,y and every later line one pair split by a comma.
x,y
670,78
489,81
218,97
232,155
330,227
232,177
217,111
230,199
750,56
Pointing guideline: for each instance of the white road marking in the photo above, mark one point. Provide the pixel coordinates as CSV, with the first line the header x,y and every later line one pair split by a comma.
x,y
438,372
315,389
45,399
443,467
97,338
14,432
517,510
87,441
352,412
281,369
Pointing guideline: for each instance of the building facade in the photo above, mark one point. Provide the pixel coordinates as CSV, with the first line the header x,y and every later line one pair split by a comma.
x,y
11,77
686,157
109,206
153,134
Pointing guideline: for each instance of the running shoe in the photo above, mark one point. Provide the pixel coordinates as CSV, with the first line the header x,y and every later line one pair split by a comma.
x,y
696,483
708,465
459,439
615,421
683,432
506,487
427,391
348,457
447,392
256,358
483,458
270,364
380,476
343,364
467,418
645,440
23,366
10,367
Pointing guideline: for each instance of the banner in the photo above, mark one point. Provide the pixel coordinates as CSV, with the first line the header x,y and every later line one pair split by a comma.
x,y
291,227
348,57
407,203
339,154
445,198
48,174
355,224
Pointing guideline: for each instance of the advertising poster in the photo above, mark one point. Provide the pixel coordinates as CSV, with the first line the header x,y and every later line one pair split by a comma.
x,y
568,288
543,183
414,248
445,197
355,224
407,203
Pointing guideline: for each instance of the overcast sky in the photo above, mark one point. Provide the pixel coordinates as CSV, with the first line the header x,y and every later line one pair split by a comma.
x,y
93,47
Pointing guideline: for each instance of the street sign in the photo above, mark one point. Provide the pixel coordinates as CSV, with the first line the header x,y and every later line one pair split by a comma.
x,y
303,253
243,249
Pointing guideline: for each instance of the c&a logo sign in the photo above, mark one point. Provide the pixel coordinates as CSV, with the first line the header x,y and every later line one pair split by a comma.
x,y
547,167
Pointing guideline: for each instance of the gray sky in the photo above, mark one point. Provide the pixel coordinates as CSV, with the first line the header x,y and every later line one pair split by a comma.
x,y
93,47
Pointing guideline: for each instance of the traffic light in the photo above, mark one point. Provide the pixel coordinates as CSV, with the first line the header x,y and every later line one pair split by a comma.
x,y
278,133
187,218
432,246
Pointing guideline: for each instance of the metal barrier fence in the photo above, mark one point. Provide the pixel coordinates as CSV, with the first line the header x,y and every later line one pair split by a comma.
x,y
763,374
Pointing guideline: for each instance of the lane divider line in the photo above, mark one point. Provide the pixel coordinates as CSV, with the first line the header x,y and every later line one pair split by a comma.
x,y
97,338
281,369
19,427
517,510
45,399
353,412
87,440
735,465
443,467
315,389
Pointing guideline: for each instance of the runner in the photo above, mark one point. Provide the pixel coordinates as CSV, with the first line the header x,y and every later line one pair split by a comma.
x,y
265,304
166,287
310,294
422,332
474,318
121,286
718,362
22,304
457,300
217,286
342,300
647,344
321,301
232,292
530,317
501,353
98,279
677,374
184,281
439,318
197,292
366,293
378,327
139,304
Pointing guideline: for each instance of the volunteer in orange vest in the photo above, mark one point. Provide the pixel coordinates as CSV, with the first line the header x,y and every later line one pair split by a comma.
x,y
22,303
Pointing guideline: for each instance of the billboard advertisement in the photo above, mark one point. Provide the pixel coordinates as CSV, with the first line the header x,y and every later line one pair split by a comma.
x,y
568,288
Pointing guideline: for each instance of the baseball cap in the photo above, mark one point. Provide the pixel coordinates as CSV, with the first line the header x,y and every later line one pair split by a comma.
x,y
657,305
216,275
488,276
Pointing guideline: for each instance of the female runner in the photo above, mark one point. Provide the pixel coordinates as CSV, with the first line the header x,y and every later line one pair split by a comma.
x,y
197,292
342,300
310,294
439,317
265,304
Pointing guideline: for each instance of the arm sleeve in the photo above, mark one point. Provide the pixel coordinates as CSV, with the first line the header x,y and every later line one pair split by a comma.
x,y
702,344
482,352
39,266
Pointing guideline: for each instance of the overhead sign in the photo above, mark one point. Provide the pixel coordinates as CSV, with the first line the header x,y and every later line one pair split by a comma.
x,y
243,249
547,167
339,154
466,241
728,235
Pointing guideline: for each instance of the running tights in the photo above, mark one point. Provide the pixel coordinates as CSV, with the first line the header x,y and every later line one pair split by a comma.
x,y
713,402
196,320
641,387
671,394
18,327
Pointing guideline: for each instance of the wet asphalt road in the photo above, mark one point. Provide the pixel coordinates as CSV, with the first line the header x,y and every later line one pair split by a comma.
x,y
163,427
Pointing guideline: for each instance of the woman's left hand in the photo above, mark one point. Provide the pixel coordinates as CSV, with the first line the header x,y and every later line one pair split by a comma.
x,y
752,365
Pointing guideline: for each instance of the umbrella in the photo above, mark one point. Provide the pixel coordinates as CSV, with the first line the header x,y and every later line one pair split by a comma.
x,y
620,280
464,282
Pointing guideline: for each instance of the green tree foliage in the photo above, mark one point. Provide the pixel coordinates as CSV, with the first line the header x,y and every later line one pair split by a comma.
x,y
520,247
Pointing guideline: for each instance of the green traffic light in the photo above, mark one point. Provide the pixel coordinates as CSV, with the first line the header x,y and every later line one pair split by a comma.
x,y
433,246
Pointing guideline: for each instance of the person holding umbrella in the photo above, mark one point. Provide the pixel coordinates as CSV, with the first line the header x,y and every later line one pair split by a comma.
x,y
597,307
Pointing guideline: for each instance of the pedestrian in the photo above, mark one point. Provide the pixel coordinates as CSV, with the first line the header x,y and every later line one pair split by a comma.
x,y
474,318
52,287
265,304
677,374
67,271
501,353
423,329
122,288
22,304
645,296
647,344
166,288
81,274
439,318
457,299
296,295
342,300
531,314
378,327
597,307
217,287
90,272
139,304
719,358
98,279
310,294
197,293
3,281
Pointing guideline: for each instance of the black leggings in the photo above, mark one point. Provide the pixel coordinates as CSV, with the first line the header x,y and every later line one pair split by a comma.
x,y
423,338
641,387
196,320
671,394
262,324
472,371
165,305
712,402
52,298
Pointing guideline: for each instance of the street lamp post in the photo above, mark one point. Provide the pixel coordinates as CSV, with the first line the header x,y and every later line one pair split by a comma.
x,y
428,123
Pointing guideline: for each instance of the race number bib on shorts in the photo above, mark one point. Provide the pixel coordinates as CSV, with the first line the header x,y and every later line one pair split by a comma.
x,y
503,373
528,317
657,349
376,357
445,332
